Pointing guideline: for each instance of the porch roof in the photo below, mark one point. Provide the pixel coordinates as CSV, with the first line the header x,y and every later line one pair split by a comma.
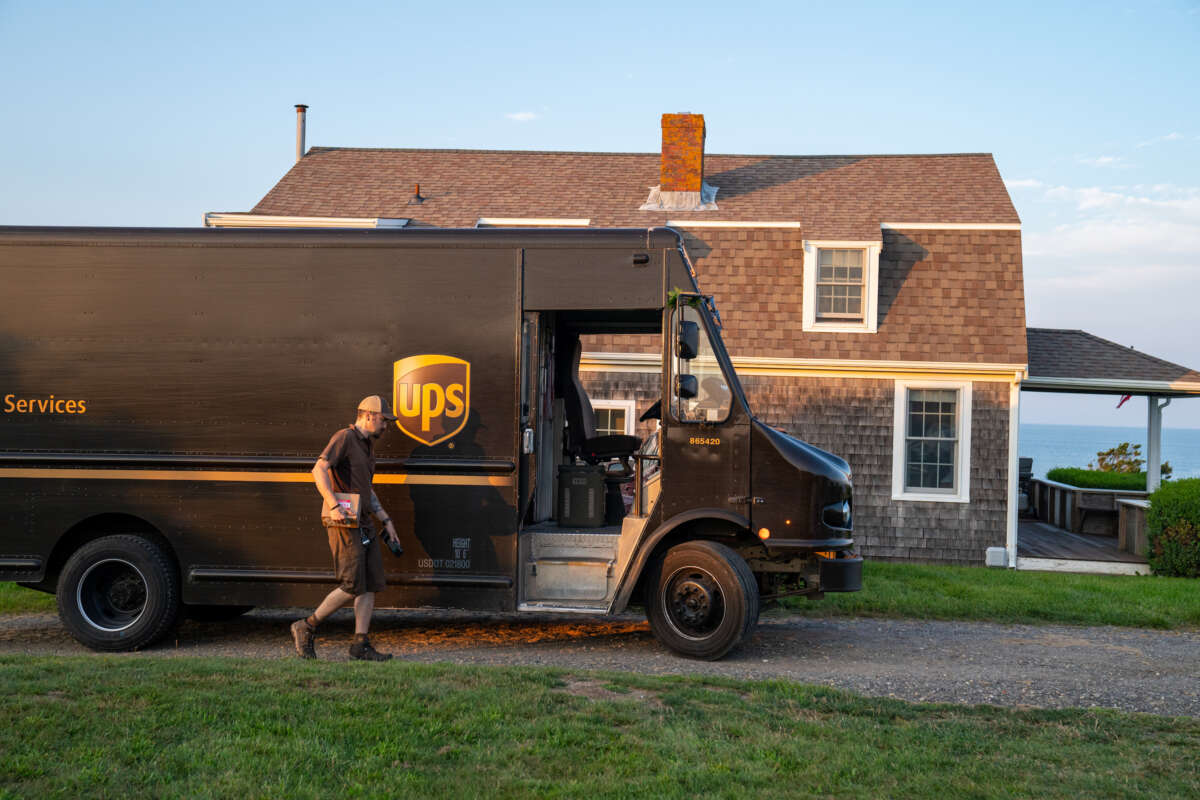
x,y
1080,362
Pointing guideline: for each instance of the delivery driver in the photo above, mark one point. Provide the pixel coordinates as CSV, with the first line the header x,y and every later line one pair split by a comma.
x,y
347,464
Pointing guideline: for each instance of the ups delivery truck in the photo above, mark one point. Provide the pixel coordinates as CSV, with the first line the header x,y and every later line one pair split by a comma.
x,y
164,394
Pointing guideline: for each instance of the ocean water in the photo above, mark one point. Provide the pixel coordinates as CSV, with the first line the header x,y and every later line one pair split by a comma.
x,y
1053,446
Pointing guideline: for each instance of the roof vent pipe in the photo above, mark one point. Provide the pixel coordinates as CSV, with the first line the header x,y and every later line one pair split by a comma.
x,y
300,109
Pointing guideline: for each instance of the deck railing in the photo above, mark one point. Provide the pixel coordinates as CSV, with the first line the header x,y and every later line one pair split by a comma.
x,y
1131,526
1071,507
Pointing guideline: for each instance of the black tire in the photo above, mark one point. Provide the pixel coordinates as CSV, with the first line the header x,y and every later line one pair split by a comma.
x,y
119,593
702,600
214,613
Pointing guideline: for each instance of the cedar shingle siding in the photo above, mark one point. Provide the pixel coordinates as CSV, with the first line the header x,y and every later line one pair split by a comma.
x,y
853,418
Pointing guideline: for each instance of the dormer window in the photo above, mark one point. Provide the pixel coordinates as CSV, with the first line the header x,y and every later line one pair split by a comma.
x,y
841,286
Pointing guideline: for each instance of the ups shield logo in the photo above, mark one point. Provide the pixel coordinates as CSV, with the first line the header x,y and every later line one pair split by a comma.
x,y
431,395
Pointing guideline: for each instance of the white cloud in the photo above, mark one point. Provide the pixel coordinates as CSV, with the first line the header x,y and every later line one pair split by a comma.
x,y
1173,136
521,116
1024,183
1103,161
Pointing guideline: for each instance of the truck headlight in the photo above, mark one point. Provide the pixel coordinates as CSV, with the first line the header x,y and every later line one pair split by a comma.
x,y
837,515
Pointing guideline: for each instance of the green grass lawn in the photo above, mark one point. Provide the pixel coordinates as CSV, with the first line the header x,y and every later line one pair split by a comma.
x,y
133,726
935,592
16,599
1003,595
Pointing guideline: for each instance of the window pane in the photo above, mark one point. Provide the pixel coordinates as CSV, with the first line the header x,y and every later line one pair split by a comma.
x,y
914,477
610,421
946,426
945,477
826,258
929,476
916,425
715,397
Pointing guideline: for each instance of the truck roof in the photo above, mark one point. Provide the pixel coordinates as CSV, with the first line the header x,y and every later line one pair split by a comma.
x,y
316,237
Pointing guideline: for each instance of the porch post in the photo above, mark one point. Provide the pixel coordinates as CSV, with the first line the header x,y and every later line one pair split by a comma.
x,y
1014,426
1154,441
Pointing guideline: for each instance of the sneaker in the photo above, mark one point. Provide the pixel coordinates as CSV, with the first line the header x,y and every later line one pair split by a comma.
x,y
362,651
302,634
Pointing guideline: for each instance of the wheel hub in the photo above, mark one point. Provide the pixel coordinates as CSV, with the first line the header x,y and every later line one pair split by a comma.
x,y
694,603
111,595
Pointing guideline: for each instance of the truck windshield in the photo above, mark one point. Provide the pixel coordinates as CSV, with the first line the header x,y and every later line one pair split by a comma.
x,y
714,384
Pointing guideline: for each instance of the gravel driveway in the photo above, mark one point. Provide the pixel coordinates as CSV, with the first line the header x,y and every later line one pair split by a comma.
x,y
952,662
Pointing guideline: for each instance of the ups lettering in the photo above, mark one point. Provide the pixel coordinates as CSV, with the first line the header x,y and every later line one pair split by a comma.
x,y
430,400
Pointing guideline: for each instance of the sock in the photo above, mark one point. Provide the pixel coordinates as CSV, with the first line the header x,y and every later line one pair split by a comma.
x,y
312,621
360,638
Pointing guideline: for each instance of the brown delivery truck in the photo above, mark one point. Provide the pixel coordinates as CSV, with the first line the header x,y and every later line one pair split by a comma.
x,y
164,394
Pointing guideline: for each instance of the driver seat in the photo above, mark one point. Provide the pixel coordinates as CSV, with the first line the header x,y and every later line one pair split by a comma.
x,y
582,441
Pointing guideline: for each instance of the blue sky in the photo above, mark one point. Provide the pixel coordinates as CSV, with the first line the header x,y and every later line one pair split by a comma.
x,y
152,114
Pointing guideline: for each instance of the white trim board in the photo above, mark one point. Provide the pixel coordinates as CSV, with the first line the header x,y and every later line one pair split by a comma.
x,y
1086,567
813,367
1112,385
224,220
722,223
951,226
526,222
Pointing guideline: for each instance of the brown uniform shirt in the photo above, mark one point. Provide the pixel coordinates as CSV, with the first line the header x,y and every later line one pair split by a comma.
x,y
351,458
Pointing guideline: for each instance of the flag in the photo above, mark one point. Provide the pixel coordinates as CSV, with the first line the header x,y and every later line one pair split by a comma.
x,y
1123,399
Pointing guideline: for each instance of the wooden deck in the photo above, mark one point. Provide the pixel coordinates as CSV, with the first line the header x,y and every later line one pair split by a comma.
x,y
1041,540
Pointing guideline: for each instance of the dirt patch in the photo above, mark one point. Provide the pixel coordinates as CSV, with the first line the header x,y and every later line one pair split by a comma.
x,y
1059,640
596,690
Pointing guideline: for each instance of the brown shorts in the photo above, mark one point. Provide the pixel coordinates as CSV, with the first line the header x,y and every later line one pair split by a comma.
x,y
358,567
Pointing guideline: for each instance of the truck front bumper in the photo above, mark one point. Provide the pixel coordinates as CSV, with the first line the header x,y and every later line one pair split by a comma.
x,y
841,574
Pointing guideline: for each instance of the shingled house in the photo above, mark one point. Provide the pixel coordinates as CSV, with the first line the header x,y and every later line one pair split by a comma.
x,y
873,304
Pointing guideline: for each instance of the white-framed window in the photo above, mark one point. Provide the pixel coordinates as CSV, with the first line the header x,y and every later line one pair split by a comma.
x,y
614,417
931,441
841,286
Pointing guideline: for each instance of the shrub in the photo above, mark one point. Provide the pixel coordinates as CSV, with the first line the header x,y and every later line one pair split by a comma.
x,y
1125,457
1173,529
1097,479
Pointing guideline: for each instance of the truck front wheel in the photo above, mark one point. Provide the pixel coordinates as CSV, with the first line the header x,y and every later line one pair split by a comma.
x,y
703,599
118,593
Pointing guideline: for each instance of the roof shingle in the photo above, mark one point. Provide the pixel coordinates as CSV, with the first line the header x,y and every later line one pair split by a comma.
x,y
833,197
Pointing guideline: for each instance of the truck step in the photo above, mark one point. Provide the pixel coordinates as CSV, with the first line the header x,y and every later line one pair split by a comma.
x,y
560,607
569,567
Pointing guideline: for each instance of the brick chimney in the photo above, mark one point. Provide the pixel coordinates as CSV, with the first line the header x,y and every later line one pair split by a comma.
x,y
682,168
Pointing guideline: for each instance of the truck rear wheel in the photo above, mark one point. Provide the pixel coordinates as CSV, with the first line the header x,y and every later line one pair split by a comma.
x,y
118,593
703,600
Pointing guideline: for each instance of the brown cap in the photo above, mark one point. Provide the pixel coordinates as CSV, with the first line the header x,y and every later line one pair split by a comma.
x,y
376,404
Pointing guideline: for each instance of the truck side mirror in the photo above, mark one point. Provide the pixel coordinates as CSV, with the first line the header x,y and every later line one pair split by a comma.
x,y
686,386
689,340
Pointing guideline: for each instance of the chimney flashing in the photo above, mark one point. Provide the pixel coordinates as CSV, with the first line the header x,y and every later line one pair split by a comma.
x,y
703,200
